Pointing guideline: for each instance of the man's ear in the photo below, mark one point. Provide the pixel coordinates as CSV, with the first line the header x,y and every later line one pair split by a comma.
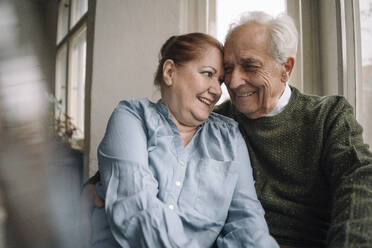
x,y
288,67
169,68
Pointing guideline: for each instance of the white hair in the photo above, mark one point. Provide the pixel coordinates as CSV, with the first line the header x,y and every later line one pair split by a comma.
x,y
282,30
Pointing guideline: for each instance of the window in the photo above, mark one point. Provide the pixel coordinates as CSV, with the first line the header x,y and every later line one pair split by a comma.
x,y
70,66
78,9
229,11
60,89
364,85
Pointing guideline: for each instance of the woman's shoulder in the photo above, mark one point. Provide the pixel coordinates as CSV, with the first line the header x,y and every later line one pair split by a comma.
x,y
139,107
135,104
225,127
223,136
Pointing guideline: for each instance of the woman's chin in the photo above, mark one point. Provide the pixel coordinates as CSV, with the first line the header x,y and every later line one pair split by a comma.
x,y
202,116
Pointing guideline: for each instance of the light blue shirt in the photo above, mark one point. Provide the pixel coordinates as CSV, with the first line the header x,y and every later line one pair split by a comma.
x,y
159,193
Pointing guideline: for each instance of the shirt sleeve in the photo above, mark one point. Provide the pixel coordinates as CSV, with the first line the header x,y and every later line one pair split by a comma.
x,y
136,216
245,225
348,168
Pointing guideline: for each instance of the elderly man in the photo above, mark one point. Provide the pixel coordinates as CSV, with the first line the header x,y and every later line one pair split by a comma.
x,y
313,172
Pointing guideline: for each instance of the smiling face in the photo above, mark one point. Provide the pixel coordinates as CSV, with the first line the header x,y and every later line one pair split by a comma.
x,y
254,80
192,89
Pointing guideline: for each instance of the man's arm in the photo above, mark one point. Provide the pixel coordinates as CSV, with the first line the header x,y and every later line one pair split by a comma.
x,y
92,180
349,172
88,201
245,225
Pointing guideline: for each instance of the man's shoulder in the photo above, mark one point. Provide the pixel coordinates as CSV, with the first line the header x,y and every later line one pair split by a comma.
x,y
324,104
226,109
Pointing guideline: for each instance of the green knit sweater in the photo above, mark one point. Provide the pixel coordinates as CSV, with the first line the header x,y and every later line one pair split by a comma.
x,y
313,172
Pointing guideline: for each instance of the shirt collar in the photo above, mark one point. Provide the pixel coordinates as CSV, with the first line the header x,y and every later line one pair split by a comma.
x,y
162,108
283,101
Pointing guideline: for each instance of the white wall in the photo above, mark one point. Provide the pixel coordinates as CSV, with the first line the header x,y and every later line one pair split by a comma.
x,y
127,38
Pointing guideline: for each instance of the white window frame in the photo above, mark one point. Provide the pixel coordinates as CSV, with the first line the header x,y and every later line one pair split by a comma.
x,y
351,68
77,140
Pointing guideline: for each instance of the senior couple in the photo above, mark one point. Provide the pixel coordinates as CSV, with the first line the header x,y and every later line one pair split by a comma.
x,y
176,174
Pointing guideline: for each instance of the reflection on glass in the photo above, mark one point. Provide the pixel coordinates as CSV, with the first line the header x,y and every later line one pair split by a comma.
x,y
60,85
227,12
78,9
77,81
364,97
63,13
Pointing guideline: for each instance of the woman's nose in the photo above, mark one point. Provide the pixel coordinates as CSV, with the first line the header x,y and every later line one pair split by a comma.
x,y
215,88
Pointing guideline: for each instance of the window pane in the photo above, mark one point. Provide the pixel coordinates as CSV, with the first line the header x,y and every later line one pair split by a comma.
x,y
230,11
63,13
60,84
77,81
79,8
364,97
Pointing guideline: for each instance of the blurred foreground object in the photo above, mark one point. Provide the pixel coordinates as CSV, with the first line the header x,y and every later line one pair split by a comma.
x,y
36,209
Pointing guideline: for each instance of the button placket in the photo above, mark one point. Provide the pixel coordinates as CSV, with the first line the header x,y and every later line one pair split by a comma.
x,y
178,179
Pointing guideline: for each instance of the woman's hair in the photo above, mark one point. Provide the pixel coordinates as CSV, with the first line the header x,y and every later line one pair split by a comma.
x,y
282,30
182,49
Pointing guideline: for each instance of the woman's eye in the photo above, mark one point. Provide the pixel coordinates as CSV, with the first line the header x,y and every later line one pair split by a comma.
x,y
208,73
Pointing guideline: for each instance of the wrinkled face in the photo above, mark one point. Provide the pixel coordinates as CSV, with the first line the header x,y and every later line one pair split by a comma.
x,y
194,88
254,80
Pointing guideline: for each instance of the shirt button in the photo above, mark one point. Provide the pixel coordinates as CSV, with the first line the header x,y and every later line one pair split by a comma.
x,y
171,207
178,183
182,163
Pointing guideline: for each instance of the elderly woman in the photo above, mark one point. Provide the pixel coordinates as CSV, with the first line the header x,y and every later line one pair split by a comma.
x,y
173,174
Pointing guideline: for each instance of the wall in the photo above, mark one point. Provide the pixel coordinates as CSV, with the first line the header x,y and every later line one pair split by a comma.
x,y
127,38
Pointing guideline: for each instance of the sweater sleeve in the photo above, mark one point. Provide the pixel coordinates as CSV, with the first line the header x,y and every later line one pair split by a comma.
x,y
137,218
349,172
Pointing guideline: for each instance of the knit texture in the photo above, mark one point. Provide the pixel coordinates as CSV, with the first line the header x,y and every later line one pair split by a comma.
x,y
313,172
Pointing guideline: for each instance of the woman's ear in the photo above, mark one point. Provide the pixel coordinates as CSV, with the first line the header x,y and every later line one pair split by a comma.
x,y
169,68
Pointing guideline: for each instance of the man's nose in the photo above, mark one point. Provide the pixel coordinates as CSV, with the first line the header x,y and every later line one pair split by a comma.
x,y
234,79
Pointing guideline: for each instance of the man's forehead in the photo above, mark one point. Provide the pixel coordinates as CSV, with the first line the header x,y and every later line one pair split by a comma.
x,y
246,43
252,34
242,59
237,54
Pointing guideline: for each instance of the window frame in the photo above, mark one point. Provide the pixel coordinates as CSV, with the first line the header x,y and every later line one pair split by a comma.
x,y
77,141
